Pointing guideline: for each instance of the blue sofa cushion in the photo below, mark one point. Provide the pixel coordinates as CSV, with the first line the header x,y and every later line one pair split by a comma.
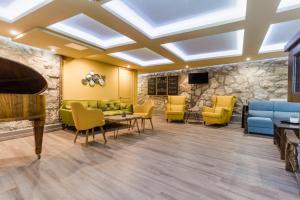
x,y
283,110
261,109
260,122
260,130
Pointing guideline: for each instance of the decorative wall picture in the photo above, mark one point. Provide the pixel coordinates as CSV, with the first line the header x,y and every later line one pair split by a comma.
x,y
93,79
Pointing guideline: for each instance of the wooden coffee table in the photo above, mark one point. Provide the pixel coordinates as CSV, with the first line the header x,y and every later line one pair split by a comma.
x,y
128,119
280,136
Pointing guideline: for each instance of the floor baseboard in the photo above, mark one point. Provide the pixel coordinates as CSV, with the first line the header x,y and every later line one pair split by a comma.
x,y
28,132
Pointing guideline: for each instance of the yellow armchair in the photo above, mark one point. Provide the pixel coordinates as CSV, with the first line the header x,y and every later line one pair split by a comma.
x,y
145,111
221,111
175,108
85,119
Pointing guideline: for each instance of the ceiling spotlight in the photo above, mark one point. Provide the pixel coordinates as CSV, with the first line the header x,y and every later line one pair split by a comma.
x,y
14,32
53,48
186,66
248,59
128,66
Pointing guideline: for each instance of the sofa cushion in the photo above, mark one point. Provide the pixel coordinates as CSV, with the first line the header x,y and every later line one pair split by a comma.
x,y
261,130
113,112
260,122
261,113
261,105
67,104
124,106
283,110
93,104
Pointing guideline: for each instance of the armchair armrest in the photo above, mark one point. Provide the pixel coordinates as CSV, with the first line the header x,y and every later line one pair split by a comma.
x,y
167,107
208,109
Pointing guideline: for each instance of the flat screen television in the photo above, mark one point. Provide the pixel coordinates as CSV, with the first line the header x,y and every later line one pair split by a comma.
x,y
198,78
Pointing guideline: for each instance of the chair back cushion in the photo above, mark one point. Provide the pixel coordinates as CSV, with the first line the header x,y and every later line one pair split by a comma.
x,y
225,102
261,109
93,104
176,100
78,114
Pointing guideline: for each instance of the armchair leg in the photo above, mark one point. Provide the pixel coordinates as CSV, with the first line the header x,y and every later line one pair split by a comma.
x,y
77,132
93,133
103,133
151,123
86,137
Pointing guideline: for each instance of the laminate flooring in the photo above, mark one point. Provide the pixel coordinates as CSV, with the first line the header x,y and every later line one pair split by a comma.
x,y
175,161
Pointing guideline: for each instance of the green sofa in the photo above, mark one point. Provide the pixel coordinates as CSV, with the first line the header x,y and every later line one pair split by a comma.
x,y
108,107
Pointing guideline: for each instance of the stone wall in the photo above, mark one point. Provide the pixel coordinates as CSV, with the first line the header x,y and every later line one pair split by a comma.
x,y
264,79
48,65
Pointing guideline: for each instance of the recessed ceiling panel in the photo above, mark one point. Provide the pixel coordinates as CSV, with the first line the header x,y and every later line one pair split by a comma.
x,y
89,30
278,35
214,46
143,57
157,18
288,5
12,10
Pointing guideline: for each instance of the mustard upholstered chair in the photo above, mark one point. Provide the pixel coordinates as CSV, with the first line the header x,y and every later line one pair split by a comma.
x,y
220,112
175,108
85,119
145,111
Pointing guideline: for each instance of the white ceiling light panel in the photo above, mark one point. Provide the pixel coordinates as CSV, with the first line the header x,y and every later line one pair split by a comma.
x,y
143,57
91,31
288,5
278,35
12,10
158,18
214,46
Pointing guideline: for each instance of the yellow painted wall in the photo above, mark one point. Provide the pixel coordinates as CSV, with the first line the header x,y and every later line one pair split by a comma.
x,y
120,82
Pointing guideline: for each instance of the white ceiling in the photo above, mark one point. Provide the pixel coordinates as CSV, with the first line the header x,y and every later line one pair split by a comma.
x,y
213,46
278,35
90,30
159,13
288,5
12,10
165,34
158,18
143,57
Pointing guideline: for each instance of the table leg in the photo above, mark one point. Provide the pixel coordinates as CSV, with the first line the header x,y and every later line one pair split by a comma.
x,y
137,126
135,121
187,117
282,144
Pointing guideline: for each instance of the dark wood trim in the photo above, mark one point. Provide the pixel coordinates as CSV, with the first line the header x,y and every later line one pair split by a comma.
x,y
293,47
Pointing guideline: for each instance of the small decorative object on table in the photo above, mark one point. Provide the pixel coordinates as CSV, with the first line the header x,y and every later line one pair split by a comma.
x,y
294,118
124,114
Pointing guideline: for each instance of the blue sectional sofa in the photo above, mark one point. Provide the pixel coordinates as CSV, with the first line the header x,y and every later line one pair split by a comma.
x,y
262,113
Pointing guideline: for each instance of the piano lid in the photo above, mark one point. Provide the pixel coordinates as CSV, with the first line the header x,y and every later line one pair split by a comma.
x,y
17,78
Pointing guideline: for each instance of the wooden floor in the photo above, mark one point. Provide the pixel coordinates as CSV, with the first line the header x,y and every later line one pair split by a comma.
x,y
176,161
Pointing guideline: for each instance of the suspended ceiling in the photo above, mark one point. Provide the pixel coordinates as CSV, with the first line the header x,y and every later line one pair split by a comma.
x,y
154,35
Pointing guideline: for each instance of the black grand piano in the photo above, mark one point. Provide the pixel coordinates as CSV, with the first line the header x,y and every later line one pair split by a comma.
x,y
20,87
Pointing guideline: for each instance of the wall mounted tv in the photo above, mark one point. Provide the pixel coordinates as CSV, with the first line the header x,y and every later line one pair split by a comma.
x,y
198,78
